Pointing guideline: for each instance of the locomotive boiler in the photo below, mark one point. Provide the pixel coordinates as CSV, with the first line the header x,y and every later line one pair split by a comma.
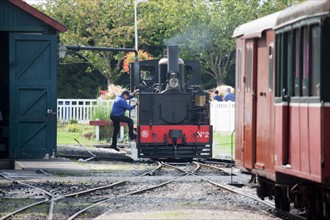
x,y
282,106
173,112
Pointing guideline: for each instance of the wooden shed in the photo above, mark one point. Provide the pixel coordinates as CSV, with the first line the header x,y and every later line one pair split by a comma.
x,y
28,74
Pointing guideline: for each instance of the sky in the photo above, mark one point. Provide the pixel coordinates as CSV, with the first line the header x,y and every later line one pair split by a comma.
x,y
32,2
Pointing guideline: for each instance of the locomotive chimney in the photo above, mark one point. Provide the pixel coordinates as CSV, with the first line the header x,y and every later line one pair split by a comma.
x,y
173,58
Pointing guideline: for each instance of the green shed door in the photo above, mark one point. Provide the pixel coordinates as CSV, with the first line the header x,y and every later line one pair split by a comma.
x,y
32,121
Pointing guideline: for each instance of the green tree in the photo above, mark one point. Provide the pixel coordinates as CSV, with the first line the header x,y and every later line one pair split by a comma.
x,y
203,29
210,39
101,23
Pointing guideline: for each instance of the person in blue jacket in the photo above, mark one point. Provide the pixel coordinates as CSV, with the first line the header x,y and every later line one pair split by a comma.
x,y
229,96
217,97
117,115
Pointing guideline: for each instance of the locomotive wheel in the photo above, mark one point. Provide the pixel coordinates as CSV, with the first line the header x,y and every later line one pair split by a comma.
x,y
316,209
262,189
312,209
281,200
326,205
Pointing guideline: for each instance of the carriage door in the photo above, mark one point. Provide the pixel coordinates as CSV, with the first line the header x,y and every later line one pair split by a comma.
x,y
32,102
250,105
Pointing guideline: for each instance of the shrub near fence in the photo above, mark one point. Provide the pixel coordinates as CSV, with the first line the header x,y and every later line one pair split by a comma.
x,y
81,110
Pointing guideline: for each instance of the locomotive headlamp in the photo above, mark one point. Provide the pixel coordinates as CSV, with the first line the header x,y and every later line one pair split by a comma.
x,y
174,83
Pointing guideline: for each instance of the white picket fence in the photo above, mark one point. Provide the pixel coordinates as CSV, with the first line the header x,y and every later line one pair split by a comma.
x,y
222,115
81,110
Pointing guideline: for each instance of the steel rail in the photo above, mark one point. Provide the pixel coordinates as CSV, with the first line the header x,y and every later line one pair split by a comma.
x,y
182,170
23,208
130,193
120,196
220,185
26,184
101,187
214,167
255,198
53,199
50,215
224,170
31,205
237,192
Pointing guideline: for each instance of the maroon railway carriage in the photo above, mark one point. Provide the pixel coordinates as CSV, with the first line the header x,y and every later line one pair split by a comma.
x,y
283,111
254,96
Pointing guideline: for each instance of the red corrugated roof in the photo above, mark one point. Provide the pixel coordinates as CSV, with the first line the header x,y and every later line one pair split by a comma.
x,y
39,15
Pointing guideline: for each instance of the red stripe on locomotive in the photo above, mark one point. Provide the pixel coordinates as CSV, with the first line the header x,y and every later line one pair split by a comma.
x,y
193,133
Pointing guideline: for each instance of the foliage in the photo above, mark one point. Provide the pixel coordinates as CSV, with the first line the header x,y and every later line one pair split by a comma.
x,y
111,92
73,121
130,57
102,23
75,83
203,29
73,128
101,112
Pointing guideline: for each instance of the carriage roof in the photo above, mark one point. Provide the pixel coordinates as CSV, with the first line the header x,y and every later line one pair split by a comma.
x,y
311,8
255,28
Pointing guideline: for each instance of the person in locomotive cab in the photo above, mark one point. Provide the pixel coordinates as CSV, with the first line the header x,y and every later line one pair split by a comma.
x,y
173,83
118,115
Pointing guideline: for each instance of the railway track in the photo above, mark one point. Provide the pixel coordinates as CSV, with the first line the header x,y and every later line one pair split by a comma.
x,y
51,199
222,186
97,199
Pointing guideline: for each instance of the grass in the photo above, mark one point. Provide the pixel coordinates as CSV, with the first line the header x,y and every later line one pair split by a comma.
x,y
68,132
85,134
67,138
223,144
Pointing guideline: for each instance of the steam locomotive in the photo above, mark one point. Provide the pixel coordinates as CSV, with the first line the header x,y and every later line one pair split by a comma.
x,y
173,120
283,106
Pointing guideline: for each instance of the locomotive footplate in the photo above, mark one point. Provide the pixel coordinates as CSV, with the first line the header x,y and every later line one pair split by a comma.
x,y
165,141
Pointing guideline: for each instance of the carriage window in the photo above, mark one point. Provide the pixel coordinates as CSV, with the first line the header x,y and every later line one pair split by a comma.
x,y
282,50
248,68
297,63
315,62
306,61
147,72
284,67
290,64
239,69
278,74
270,66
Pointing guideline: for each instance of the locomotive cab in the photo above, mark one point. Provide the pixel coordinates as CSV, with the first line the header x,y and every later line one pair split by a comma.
x,y
171,71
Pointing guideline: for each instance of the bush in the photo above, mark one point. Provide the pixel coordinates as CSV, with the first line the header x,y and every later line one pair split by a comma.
x,y
73,128
88,134
73,121
101,112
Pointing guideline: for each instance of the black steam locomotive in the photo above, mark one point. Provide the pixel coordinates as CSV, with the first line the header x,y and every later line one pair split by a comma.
x,y
173,119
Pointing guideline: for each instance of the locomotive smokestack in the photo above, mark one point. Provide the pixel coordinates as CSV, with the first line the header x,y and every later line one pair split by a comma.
x,y
173,58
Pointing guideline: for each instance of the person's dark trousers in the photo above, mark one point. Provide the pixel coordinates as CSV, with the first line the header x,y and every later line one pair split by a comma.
x,y
116,127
